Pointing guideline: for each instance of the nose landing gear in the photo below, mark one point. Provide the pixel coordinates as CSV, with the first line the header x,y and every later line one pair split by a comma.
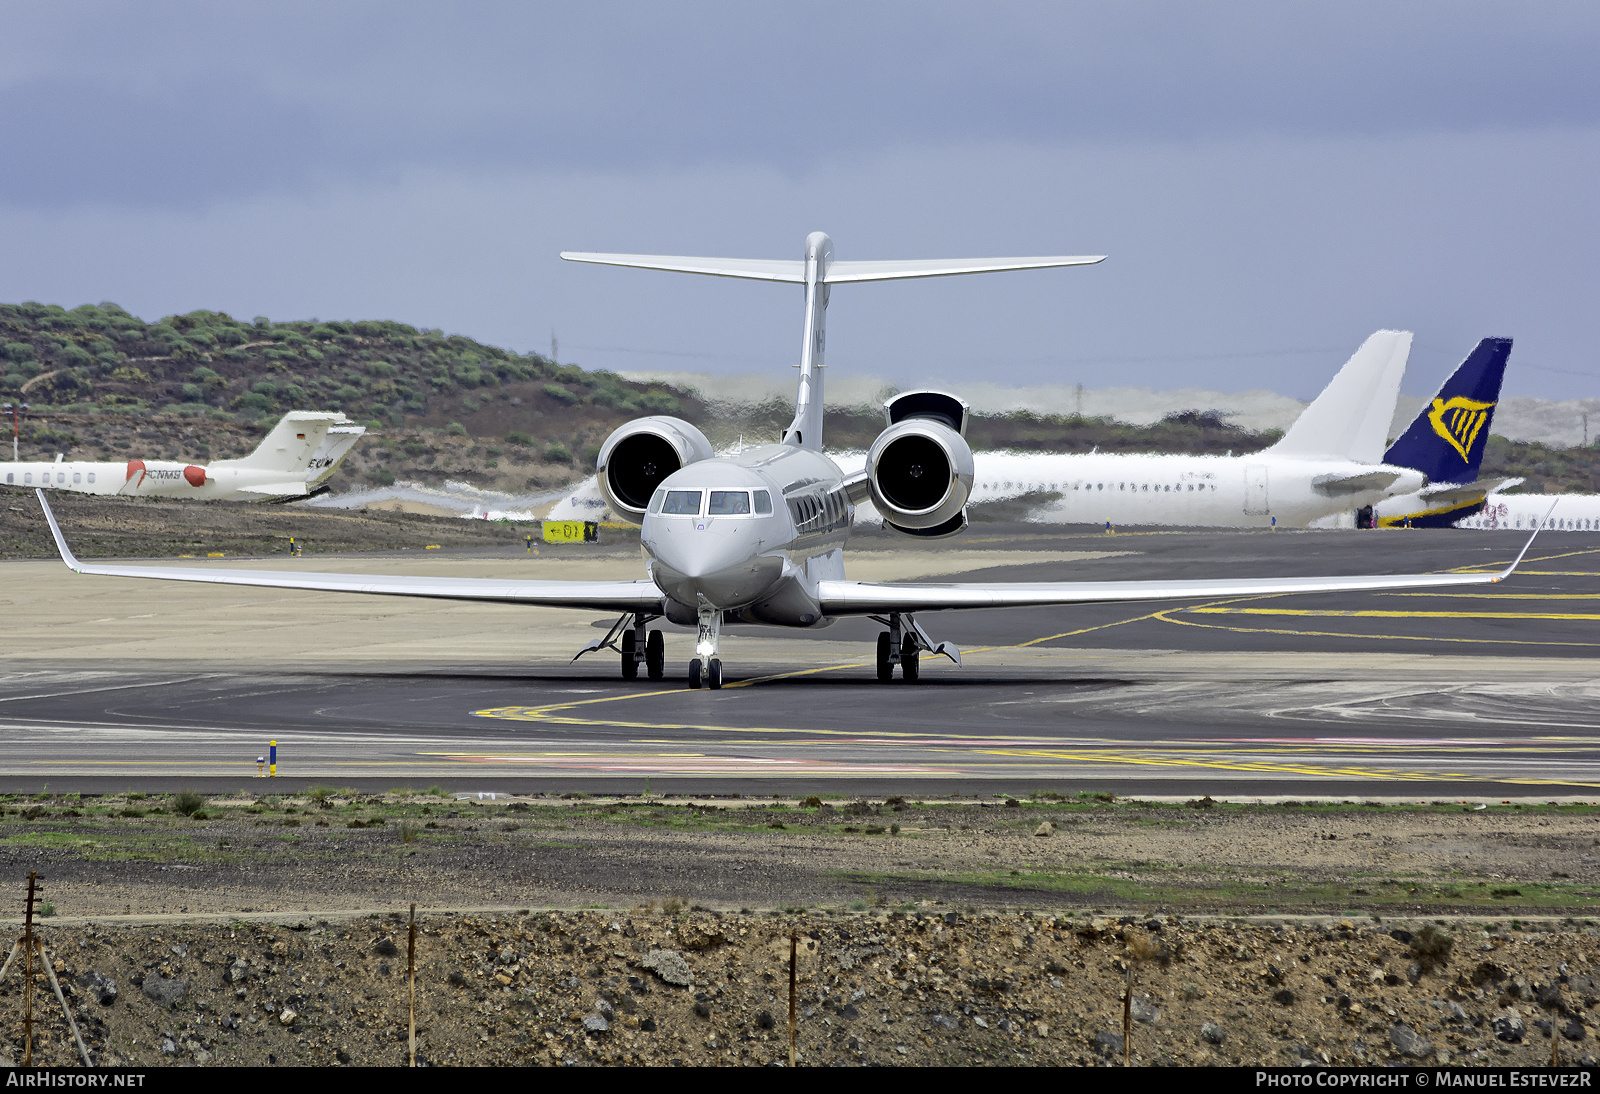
x,y
707,667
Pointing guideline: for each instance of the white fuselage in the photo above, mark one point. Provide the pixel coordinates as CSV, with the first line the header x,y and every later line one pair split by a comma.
x,y
1520,512
762,565
144,479
1255,491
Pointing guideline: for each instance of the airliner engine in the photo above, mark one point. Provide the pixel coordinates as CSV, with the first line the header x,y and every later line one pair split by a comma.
x,y
638,456
920,468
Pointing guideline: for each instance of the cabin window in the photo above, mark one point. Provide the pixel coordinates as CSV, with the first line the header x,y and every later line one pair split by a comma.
x,y
1099,486
1145,488
91,476
763,502
27,477
682,503
76,478
727,503
1122,486
61,477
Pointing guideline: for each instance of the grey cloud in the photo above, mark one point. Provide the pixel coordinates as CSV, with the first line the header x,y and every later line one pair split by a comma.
x,y
175,105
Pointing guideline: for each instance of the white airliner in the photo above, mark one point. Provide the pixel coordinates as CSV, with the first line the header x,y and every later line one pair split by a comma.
x,y
1329,462
1520,512
293,461
759,537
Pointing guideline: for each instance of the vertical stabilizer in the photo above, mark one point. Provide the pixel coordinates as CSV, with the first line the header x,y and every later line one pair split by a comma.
x,y
806,429
1350,419
336,445
1446,441
290,446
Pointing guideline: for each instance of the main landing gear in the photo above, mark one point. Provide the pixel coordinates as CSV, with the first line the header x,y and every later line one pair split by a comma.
x,y
637,646
628,637
902,644
706,668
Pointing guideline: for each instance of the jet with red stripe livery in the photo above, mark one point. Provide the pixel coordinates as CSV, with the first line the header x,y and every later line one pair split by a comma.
x,y
294,461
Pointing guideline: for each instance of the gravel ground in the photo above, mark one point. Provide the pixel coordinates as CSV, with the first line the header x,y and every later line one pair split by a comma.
x,y
572,931
659,985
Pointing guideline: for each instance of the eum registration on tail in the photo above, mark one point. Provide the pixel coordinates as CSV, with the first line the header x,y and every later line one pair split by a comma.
x,y
759,537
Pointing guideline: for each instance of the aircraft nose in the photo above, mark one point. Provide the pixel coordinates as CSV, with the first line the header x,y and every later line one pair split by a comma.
x,y
698,560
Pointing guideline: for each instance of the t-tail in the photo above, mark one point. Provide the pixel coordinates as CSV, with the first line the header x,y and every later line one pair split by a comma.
x,y
292,446
1447,440
819,272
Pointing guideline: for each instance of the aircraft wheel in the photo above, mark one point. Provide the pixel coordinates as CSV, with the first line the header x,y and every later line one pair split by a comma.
x,y
694,673
909,667
655,655
630,667
714,679
885,667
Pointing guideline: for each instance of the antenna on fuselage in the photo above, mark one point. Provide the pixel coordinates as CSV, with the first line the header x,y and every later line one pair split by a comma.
x,y
818,272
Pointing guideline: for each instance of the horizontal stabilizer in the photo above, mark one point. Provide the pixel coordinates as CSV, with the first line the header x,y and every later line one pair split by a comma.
x,y
756,269
1338,486
899,269
1456,493
837,273
276,489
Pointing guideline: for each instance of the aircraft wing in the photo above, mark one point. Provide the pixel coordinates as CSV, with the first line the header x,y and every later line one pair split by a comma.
x,y
876,598
610,596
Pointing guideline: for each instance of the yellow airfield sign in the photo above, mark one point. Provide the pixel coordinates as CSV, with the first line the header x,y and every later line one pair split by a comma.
x,y
571,531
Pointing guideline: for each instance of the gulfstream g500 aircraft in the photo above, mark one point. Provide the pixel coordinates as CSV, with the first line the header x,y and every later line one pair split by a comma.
x,y
759,537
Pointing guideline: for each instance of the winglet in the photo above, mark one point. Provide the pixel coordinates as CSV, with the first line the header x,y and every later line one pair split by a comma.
x,y
1509,570
61,541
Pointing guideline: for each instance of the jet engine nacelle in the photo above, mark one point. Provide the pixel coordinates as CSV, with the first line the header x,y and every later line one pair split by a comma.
x,y
638,456
920,468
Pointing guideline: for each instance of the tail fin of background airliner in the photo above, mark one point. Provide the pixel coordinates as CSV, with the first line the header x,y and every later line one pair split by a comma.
x,y
1446,441
1350,419
291,445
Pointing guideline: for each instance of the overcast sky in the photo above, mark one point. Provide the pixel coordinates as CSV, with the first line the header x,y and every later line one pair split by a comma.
x,y
1272,181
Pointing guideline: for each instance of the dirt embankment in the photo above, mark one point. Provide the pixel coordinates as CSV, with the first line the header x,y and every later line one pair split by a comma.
x,y
656,986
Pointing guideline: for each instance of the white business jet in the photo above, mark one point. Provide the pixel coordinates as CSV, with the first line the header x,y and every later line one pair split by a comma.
x,y
295,460
758,537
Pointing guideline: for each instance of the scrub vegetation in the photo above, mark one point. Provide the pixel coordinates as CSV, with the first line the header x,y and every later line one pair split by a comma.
x,y
103,384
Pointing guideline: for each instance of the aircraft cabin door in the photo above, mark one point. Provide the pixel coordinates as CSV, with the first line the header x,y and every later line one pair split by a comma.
x,y
1255,489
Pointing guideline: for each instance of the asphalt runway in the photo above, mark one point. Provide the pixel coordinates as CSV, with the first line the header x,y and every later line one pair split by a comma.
x,y
1492,692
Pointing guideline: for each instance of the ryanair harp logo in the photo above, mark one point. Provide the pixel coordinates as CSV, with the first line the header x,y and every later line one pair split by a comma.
x,y
1458,421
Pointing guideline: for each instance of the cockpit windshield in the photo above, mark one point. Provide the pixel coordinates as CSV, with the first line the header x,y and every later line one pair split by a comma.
x,y
728,502
682,503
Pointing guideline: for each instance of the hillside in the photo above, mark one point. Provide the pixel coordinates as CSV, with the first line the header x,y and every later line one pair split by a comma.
x,y
104,384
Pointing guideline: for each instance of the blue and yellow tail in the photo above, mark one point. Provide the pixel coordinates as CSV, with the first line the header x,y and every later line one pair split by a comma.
x,y
1446,441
